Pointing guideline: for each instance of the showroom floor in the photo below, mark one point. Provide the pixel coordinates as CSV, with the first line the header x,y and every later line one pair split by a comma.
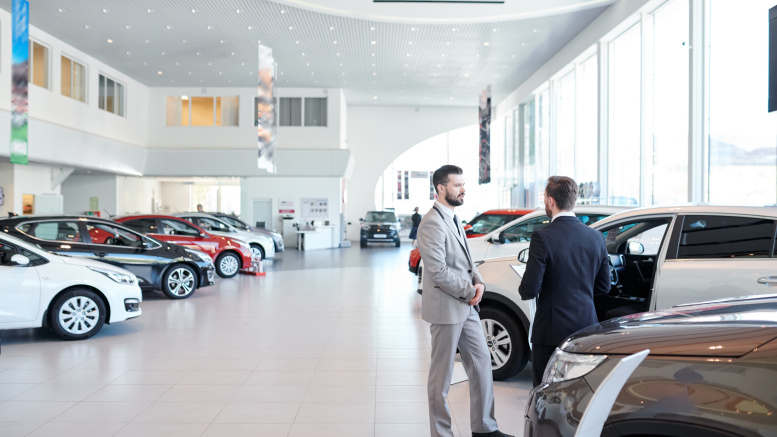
x,y
329,343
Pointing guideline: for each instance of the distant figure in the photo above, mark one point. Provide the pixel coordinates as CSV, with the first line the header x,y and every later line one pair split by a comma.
x,y
416,221
199,208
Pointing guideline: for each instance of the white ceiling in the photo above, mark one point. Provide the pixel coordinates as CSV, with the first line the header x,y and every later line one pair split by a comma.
x,y
204,43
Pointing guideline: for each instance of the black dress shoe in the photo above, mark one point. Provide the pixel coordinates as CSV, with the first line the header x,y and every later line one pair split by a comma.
x,y
496,433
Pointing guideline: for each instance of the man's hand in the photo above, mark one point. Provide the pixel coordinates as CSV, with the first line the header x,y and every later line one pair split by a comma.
x,y
479,289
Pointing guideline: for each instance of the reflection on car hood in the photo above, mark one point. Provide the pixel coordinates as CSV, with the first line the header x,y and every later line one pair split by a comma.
x,y
722,329
86,262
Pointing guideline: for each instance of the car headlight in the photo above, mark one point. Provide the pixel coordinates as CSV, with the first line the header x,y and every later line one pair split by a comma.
x,y
121,278
564,366
365,227
202,256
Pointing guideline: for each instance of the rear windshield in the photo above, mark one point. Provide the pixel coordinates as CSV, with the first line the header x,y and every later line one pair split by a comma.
x,y
380,217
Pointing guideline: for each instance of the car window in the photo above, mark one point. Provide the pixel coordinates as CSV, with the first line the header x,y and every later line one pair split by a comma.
x,y
34,258
380,217
6,252
648,233
235,222
53,231
144,225
589,219
101,233
210,224
709,236
522,231
175,227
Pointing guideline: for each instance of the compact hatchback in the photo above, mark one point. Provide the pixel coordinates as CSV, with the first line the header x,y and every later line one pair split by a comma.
x,y
74,297
659,257
230,254
710,372
176,270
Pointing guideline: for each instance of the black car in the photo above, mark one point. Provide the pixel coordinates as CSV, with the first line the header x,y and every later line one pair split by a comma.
x,y
174,269
379,227
277,238
711,371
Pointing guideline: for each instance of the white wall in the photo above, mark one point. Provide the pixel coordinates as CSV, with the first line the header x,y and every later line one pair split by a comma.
x,y
378,135
137,195
175,197
276,188
78,188
313,137
32,179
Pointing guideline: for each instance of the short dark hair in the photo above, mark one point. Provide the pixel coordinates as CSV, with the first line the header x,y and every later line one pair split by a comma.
x,y
440,175
563,190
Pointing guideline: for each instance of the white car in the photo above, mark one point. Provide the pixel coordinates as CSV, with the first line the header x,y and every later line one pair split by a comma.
x,y
515,236
659,257
73,296
262,246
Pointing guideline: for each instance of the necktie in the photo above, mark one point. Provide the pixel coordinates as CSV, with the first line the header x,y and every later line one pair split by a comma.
x,y
456,222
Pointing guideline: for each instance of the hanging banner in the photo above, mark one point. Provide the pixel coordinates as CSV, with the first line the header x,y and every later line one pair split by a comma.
x,y
266,114
407,185
399,184
485,136
20,67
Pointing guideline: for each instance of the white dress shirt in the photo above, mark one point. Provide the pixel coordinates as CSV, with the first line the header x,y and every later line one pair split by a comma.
x,y
563,214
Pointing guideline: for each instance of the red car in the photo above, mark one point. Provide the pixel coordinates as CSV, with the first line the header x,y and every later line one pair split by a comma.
x,y
230,255
481,225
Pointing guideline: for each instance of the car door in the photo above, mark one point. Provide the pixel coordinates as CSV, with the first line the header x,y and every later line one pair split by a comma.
x,y
182,233
123,248
20,290
717,256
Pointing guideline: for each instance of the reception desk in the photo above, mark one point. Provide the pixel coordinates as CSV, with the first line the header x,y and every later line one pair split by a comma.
x,y
320,238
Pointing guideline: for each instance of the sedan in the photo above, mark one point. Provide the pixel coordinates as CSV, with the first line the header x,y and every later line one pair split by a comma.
x,y
708,373
230,254
243,226
176,270
262,246
74,297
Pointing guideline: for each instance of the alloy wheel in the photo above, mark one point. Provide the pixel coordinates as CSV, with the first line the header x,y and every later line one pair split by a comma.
x,y
498,342
181,282
229,265
78,315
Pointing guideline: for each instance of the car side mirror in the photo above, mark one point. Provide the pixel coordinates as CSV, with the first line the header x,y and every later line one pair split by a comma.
x,y
502,238
20,260
636,248
523,256
361,219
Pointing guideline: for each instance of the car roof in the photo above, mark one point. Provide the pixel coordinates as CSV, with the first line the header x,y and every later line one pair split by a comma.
x,y
35,218
579,209
137,216
508,212
760,211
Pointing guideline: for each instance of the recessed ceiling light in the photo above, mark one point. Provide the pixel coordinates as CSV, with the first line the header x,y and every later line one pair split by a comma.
x,y
283,11
308,64
343,73
372,28
404,74
536,30
281,73
110,41
453,30
408,54
221,41
159,72
410,43
128,27
105,11
198,53
169,27
374,74
148,10
291,27
162,53
478,55
145,63
331,28
312,73
486,43
438,65
341,64
447,43
513,56
334,42
86,26
405,65
466,75
374,97
451,98
129,53
177,63
232,53
237,11
60,10
147,41
443,55
201,81
373,54
219,73
250,27
194,11
242,63
523,44
303,53
373,65
190,73
296,42
183,41
210,64
494,30
412,29
338,54
373,42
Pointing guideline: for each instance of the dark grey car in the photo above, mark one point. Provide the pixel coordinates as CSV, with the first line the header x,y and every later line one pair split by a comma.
x,y
712,371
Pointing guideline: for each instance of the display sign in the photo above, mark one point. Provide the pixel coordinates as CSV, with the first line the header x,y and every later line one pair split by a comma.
x,y
20,67
419,174
286,206
266,114
315,209
485,136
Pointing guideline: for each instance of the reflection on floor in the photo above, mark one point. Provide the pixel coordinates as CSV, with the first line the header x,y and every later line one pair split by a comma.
x,y
329,343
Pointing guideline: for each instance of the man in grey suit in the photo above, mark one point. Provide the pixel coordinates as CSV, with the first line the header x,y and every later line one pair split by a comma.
x,y
452,291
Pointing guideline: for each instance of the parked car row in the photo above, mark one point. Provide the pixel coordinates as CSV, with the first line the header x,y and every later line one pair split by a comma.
x,y
53,268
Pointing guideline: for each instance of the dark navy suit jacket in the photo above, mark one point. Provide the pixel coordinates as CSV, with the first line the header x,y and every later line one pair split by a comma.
x,y
567,265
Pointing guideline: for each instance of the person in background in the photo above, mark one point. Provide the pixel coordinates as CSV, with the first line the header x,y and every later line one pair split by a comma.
x,y
567,265
199,208
416,218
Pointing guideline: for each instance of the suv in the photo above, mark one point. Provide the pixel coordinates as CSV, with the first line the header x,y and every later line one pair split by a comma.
x,y
379,227
659,257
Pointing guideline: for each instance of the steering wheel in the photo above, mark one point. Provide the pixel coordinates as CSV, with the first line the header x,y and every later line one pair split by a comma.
x,y
613,274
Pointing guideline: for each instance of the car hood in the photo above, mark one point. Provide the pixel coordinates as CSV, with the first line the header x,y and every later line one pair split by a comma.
x,y
723,329
381,223
86,262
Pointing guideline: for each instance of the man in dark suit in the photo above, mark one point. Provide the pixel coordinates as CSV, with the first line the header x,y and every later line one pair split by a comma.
x,y
567,265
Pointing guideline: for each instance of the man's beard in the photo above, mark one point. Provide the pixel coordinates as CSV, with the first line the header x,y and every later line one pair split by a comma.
x,y
548,212
453,200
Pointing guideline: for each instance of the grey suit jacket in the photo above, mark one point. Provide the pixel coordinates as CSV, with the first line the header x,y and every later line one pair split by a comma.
x,y
449,273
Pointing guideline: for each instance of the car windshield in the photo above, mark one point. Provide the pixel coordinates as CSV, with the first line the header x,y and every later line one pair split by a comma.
x,y
235,222
485,223
380,217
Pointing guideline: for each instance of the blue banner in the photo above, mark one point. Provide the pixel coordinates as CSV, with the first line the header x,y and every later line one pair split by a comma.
x,y
20,68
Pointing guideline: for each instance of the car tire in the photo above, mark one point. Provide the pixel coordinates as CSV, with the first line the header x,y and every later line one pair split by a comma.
x,y
397,242
362,244
257,250
506,342
227,265
179,282
77,314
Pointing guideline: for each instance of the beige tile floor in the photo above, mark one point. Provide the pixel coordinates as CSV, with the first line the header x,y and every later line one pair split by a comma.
x,y
329,343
